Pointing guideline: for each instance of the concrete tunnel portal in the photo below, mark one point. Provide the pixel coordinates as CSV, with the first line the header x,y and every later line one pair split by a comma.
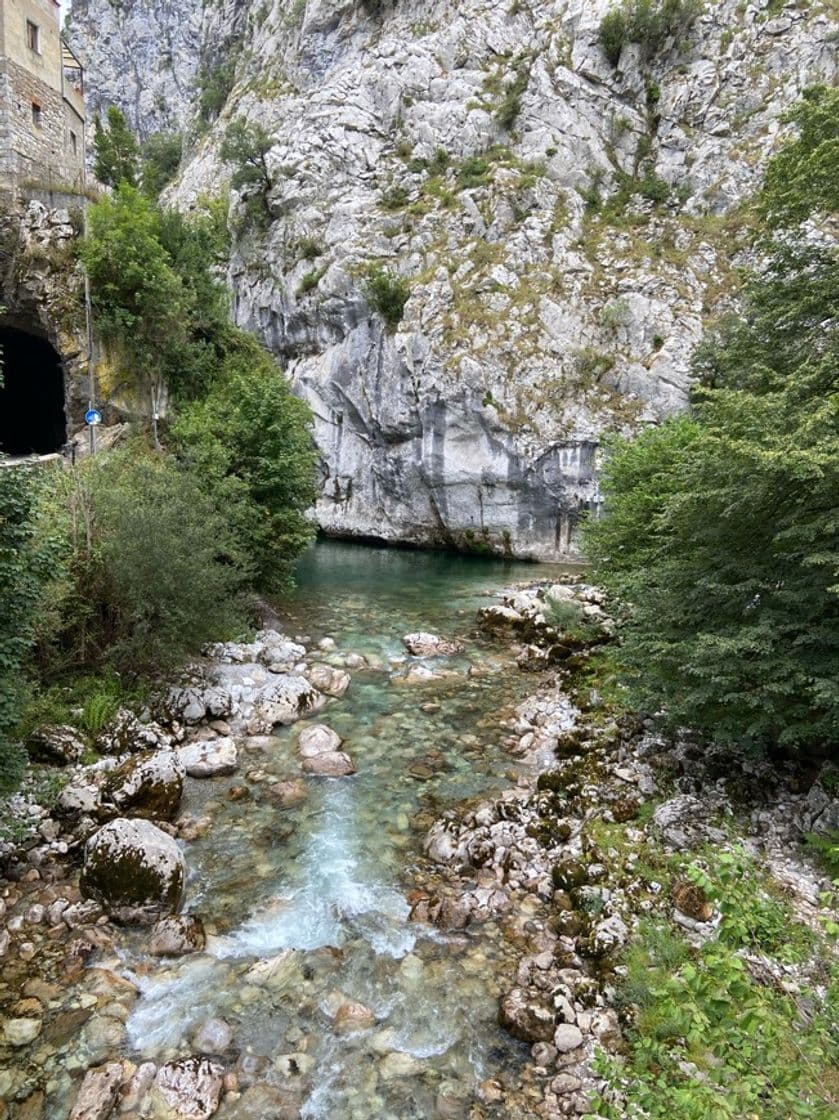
x,y
33,420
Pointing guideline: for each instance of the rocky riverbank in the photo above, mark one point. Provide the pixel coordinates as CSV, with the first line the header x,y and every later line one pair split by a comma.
x,y
605,830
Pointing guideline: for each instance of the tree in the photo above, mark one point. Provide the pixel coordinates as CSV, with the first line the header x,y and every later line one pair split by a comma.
x,y
720,542
802,177
116,151
250,436
161,154
246,145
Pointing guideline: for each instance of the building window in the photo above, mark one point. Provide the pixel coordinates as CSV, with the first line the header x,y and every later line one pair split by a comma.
x,y
33,36
37,115
74,142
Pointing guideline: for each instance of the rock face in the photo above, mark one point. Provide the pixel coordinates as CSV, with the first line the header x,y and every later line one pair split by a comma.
x,y
131,867
464,151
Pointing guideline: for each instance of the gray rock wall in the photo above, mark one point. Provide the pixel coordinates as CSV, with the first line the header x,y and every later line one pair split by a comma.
x,y
538,319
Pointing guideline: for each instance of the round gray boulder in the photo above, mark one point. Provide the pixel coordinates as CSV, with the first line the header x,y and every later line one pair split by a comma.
x,y
134,870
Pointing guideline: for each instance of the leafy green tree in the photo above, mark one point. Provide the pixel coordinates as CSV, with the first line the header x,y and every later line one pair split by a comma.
x,y
161,158
246,146
116,150
802,177
250,438
24,561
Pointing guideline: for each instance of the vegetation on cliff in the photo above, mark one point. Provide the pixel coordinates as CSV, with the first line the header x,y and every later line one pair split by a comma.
x,y
721,540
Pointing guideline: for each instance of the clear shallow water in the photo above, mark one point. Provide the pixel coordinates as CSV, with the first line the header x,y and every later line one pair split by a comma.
x,y
308,907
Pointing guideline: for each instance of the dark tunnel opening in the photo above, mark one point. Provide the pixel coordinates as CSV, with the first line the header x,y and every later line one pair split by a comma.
x,y
32,418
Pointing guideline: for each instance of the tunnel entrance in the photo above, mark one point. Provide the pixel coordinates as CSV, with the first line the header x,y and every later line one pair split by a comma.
x,y
32,418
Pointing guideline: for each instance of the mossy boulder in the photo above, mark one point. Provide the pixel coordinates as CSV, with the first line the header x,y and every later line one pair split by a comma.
x,y
568,874
147,785
134,870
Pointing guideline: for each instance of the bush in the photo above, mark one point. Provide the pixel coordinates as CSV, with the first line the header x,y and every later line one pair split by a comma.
x,y
215,84
246,147
646,22
152,567
508,111
388,295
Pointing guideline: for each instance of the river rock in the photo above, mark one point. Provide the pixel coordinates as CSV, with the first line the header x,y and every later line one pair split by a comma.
x,y
55,743
190,1088
423,644
195,703
316,740
209,758
398,1064
331,764
354,1016
98,1092
332,682
286,699
177,935
147,785
213,1037
567,1037
527,1015
131,866
288,793
20,1032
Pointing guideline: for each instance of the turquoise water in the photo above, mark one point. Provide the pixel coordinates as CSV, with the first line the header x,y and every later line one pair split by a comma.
x,y
308,907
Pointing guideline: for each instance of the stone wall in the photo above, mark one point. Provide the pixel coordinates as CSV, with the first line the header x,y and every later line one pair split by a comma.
x,y
37,150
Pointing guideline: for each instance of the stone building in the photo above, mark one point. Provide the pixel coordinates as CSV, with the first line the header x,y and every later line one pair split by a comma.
x,y
42,109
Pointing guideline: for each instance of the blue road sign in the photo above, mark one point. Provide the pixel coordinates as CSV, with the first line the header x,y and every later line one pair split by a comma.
x,y
93,416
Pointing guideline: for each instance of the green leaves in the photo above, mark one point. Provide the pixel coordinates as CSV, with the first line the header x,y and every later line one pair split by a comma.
x,y
801,179
721,539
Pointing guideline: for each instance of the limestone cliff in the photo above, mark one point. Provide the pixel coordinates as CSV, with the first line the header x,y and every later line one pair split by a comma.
x,y
565,227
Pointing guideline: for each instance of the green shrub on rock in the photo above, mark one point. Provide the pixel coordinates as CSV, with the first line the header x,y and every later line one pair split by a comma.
x,y
648,23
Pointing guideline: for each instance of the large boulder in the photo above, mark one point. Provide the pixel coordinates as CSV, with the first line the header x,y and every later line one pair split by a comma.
x,y
316,740
134,870
423,644
147,785
287,698
209,758
55,743
190,1089
195,703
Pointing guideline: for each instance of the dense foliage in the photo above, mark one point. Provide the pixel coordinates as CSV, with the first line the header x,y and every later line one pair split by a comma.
x,y
649,23
721,539
161,157
248,439
23,562
149,567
